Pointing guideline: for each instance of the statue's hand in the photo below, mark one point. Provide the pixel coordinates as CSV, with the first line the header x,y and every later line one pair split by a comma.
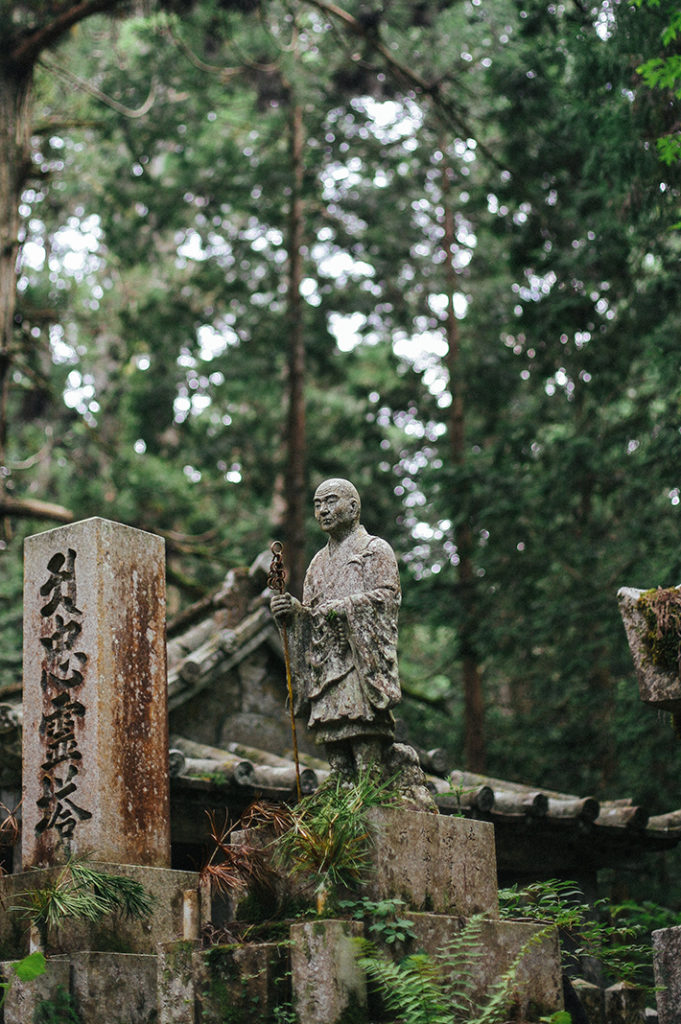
x,y
281,606
333,610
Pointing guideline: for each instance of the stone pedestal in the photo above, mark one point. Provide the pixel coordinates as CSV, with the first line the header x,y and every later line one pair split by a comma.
x,y
592,999
95,734
433,862
24,998
118,988
242,983
667,964
113,933
624,1004
492,947
177,983
327,983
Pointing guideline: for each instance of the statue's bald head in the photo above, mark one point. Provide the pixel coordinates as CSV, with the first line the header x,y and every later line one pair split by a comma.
x,y
337,504
343,488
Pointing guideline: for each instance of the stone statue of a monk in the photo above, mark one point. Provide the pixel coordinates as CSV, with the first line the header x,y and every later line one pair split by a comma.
x,y
343,637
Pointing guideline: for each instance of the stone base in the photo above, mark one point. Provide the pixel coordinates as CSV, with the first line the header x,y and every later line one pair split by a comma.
x,y
117,987
176,983
592,999
23,998
529,948
328,985
433,862
113,933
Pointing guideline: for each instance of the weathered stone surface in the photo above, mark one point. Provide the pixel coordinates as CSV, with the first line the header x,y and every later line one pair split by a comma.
x,y
624,1004
119,988
167,888
494,947
667,965
433,862
244,983
95,747
592,999
327,984
176,982
657,686
23,998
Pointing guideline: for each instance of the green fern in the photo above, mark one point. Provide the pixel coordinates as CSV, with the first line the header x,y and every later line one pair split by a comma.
x,y
581,933
411,989
439,989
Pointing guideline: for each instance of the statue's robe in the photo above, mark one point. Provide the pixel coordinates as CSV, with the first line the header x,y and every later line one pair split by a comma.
x,y
343,640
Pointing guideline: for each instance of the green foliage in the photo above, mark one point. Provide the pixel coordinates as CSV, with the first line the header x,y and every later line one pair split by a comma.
x,y
149,382
601,931
383,917
329,837
82,892
27,969
411,989
421,989
60,1010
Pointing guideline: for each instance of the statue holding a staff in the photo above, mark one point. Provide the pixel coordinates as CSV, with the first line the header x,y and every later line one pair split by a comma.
x,y
342,638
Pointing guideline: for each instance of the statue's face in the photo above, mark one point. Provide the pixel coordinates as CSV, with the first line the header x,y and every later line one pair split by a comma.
x,y
334,508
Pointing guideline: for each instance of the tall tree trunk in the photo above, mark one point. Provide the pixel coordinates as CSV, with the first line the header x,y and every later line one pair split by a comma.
x,y
474,737
16,95
296,442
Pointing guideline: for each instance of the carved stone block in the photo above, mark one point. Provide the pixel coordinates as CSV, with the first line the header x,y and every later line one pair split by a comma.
x,y
120,988
95,747
167,922
433,862
492,947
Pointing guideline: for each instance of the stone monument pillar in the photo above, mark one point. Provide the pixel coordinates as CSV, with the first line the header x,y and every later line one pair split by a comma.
x,y
95,736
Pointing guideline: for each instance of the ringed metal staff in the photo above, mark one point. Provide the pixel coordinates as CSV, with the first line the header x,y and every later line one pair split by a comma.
x,y
276,581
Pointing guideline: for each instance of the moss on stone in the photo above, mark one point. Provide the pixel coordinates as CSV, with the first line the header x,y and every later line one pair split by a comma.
x,y
661,611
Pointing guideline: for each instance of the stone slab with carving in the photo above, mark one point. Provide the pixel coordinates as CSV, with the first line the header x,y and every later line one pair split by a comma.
x,y
433,862
95,738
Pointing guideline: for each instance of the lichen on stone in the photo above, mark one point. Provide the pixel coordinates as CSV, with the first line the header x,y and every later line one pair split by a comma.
x,y
661,611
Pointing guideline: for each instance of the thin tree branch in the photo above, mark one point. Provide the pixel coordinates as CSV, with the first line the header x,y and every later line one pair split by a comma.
x,y
80,83
224,73
31,508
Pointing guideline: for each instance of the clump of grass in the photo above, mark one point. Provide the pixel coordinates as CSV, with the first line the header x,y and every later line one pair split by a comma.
x,y
329,836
